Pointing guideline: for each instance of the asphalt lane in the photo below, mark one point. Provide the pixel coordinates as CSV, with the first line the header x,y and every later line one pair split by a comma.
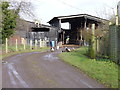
x,y
43,70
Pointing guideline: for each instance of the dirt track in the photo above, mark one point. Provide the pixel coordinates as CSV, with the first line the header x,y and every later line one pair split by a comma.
x,y
43,70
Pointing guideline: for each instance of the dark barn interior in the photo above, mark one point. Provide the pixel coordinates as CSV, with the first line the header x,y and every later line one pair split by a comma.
x,y
36,29
74,33
39,33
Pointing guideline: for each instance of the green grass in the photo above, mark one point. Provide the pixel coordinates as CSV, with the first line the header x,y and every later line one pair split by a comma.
x,y
103,71
12,50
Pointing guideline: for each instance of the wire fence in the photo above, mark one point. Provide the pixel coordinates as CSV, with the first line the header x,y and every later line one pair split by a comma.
x,y
21,44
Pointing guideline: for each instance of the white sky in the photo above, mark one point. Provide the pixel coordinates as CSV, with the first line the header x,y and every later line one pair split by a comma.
x,y
45,10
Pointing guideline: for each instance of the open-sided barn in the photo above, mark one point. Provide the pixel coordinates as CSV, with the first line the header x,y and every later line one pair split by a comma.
x,y
77,23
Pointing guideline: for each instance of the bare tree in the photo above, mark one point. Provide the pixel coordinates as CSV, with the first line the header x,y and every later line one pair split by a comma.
x,y
108,12
23,8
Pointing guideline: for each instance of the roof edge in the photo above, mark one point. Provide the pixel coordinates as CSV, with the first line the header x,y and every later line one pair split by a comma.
x,y
73,16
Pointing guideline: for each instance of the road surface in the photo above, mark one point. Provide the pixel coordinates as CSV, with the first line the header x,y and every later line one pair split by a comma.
x,y
43,70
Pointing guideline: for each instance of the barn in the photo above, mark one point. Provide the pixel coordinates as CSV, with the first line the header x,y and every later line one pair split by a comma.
x,y
55,32
77,23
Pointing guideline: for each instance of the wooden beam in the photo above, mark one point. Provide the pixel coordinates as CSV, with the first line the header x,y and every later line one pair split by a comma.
x,y
63,36
117,19
60,24
85,23
81,34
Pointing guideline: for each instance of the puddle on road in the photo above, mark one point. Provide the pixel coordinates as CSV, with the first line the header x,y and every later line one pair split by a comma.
x,y
50,57
13,74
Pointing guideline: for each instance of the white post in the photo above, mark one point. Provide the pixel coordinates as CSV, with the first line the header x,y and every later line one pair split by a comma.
x,y
93,29
40,43
6,45
24,44
81,35
110,23
43,43
55,42
35,44
16,45
93,40
22,41
30,44
117,20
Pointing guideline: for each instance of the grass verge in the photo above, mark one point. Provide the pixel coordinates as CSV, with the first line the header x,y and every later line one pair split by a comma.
x,y
12,50
104,71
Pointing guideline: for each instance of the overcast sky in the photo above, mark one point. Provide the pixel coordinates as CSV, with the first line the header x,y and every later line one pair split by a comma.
x,y
45,10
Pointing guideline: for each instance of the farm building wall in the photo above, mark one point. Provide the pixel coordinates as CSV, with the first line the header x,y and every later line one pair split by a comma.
x,y
50,35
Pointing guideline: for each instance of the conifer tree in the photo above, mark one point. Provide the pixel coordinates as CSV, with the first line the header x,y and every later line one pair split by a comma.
x,y
8,21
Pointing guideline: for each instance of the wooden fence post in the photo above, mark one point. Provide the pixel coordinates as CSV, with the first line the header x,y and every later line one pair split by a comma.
x,y
93,46
16,43
35,44
93,38
24,44
22,41
43,43
6,45
40,43
97,44
30,44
